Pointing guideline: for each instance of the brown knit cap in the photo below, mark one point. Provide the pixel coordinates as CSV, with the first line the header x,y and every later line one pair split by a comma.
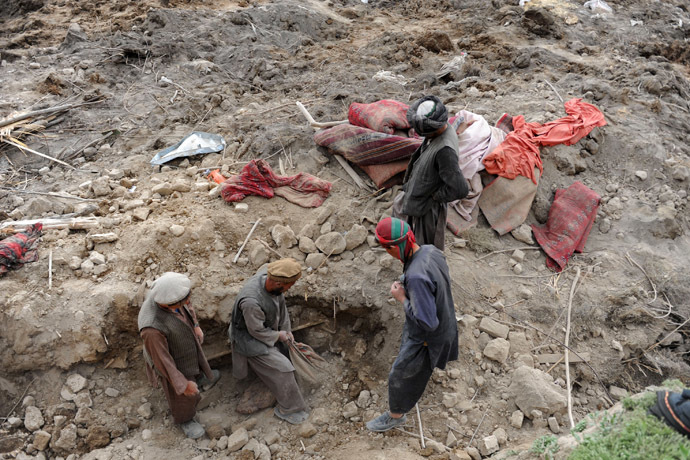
x,y
284,270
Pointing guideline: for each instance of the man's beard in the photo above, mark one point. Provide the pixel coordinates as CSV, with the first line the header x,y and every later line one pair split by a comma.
x,y
276,291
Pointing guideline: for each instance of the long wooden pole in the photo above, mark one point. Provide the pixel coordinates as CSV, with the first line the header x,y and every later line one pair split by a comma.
x,y
239,251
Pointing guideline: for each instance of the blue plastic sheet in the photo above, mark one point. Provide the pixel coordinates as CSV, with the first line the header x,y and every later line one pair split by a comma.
x,y
196,143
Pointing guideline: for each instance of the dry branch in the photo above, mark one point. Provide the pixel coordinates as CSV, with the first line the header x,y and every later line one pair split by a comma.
x,y
78,223
315,123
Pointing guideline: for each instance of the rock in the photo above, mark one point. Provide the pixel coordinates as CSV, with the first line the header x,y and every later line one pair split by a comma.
x,y
307,430
517,269
497,350
474,453
356,236
180,185
15,422
327,227
493,328
518,342
97,437
237,440
306,245
163,189
516,419
451,439
147,434
41,439
241,207
618,393
222,443
98,259
215,431
258,255
488,445
145,410
331,243
112,392
273,437
101,186
133,204
369,257
553,425
103,238
642,175
76,383
501,436
66,440
65,392
33,419
518,255
364,399
75,263
83,399
532,389
323,215
283,236
350,410
141,213
318,417
177,230
605,225
680,173
524,293
314,260
468,321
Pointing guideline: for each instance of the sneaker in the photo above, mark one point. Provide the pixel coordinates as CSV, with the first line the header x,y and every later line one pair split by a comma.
x,y
385,422
205,384
192,429
295,418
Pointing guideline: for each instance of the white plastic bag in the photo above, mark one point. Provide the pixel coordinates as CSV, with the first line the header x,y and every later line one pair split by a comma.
x,y
599,6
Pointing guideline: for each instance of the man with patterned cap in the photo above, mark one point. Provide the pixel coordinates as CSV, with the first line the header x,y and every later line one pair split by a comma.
x,y
172,349
430,332
259,328
433,177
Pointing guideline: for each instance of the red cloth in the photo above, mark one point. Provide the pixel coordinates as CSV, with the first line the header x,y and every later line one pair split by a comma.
x,y
20,248
257,178
385,116
519,154
570,220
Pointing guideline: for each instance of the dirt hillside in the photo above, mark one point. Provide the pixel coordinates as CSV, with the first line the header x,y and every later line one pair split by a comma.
x,y
139,76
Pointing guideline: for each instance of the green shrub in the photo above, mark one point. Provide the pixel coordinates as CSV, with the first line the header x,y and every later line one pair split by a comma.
x,y
547,446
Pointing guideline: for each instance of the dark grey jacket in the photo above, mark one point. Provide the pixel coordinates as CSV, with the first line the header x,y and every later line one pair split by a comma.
x,y
433,174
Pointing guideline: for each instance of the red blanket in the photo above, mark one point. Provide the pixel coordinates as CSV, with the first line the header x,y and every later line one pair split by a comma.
x,y
257,178
385,116
519,153
19,248
570,220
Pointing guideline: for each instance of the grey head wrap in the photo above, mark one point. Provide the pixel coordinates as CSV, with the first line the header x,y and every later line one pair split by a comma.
x,y
170,288
427,115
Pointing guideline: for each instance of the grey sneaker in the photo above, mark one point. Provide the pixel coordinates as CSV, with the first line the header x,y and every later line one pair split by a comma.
x,y
385,422
192,429
295,418
205,384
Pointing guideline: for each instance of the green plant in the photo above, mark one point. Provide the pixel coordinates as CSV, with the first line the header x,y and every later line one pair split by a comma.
x,y
645,401
634,435
546,445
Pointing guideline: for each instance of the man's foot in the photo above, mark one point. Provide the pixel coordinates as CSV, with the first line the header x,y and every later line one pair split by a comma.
x,y
385,422
192,429
295,418
205,384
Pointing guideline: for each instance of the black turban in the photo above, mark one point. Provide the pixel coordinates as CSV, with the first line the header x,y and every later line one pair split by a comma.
x,y
427,115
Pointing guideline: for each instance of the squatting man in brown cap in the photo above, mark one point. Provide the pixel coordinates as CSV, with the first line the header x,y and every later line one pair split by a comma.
x,y
260,325
172,349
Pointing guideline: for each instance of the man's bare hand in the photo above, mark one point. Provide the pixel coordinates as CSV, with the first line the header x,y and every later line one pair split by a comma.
x,y
398,291
191,389
199,334
284,336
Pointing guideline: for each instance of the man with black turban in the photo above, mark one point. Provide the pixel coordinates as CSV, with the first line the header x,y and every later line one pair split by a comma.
x,y
260,324
430,333
433,177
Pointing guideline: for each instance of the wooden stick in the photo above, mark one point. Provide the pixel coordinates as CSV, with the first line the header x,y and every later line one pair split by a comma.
x,y
419,421
36,113
239,251
50,270
446,448
315,123
20,147
351,172
554,90
567,338
81,223
477,429
57,195
268,246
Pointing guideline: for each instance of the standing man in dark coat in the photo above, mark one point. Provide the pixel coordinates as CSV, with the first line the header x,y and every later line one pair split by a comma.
x,y
172,349
260,324
433,177
430,333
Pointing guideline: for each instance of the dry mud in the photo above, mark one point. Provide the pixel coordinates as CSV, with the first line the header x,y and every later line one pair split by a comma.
x,y
237,69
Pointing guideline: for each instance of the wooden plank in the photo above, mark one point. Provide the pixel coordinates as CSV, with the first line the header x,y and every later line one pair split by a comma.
x,y
550,358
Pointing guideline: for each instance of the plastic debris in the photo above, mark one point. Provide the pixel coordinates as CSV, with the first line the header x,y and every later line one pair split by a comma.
x,y
196,143
599,6
387,75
